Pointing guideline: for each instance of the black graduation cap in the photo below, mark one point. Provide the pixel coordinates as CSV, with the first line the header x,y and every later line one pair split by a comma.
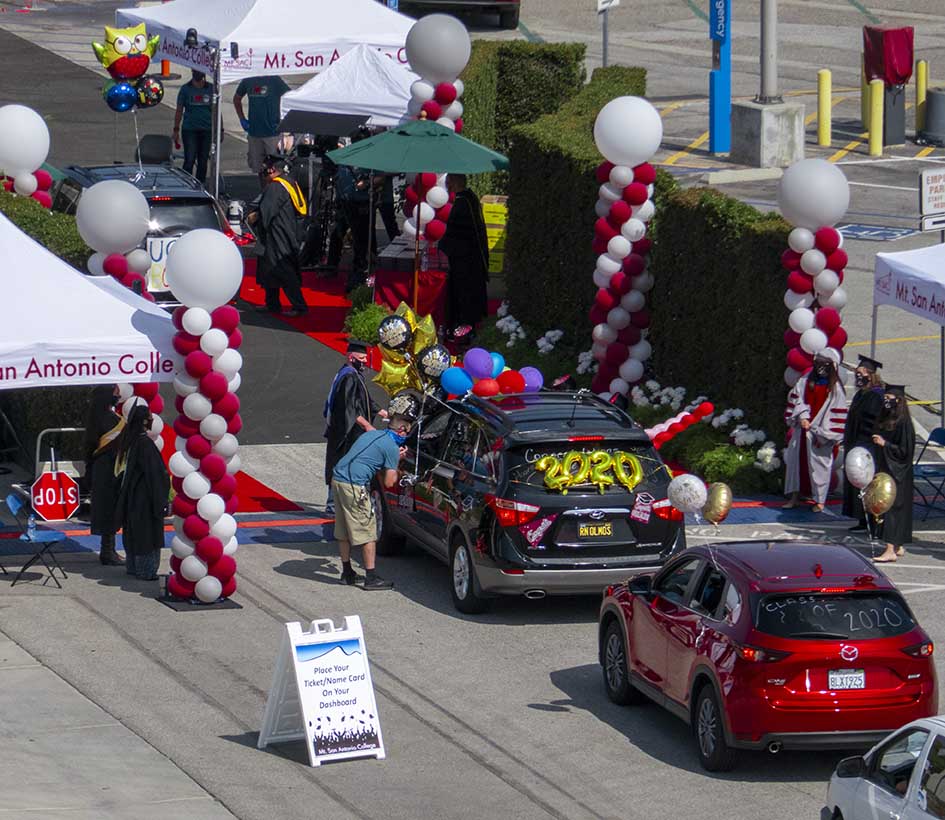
x,y
895,389
357,346
870,364
274,161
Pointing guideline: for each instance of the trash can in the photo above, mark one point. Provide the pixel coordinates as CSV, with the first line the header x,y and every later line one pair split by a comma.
x,y
934,133
888,56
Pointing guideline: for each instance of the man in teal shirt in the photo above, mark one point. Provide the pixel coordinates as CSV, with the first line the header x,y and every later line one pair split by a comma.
x,y
194,108
262,125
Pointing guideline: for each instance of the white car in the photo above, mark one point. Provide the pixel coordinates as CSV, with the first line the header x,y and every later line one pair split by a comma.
x,y
901,778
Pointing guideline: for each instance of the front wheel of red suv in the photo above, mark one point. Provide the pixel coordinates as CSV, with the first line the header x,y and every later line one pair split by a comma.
x,y
715,754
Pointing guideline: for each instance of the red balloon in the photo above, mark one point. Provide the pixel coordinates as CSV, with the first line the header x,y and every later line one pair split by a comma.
x,y
443,214
433,110
183,506
596,315
619,213
837,339
148,296
434,230
603,172
790,260
640,319
197,446
827,240
156,405
214,385
617,353
213,466
675,429
198,364
630,335
636,193
791,338
44,179
196,528
179,404
458,125
411,195
837,260
42,197
444,93
607,371
599,245
408,209
605,300
599,384
230,586
827,319
660,440
643,246
184,343
620,283
133,280
798,359
225,487
634,264
424,182
175,564
232,505
223,568
800,282
177,483
604,230
147,390
644,173
235,339
115,265
511,381
180,587
226,318
227,406
185,427
177,317
234,425
486,387
209,549
704,409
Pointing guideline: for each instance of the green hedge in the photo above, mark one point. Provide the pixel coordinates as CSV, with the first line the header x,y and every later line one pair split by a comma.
x,y
717,307
552,193
56,231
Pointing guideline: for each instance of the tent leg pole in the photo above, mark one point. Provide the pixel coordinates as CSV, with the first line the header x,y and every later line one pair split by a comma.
x,y
873,333
416,266
218,122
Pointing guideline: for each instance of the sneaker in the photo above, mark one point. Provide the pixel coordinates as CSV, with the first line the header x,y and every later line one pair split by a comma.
x,y
376,582
349,577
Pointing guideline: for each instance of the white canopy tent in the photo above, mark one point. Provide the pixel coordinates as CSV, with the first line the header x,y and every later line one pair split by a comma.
x,y
915,282
59,327
363,81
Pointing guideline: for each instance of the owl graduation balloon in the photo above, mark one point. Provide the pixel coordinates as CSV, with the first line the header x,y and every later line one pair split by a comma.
x,y
127,52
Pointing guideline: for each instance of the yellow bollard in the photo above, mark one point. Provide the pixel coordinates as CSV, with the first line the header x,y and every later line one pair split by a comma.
x,y
824,122
864,95
921,86
877,90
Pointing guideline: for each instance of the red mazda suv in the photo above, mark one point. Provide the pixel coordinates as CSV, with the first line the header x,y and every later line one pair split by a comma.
x,y
769,645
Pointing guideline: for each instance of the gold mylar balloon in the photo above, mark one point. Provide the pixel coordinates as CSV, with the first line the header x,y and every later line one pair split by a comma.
x,y
396,377
424,334
880,494
718,502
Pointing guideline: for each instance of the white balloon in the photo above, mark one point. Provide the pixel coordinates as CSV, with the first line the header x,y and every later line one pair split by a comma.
x,y
204,268
438,48
185,384
604,334
631,371
425,213
813,261
832,354
609,193
214,342
618,318
459,86
233,464
207,589
413,110
192,568
633,229
643,282
437,197
196,485
813,193
421,90
210,506
125,392
687,493
791,376
620,386
131,404
197,406
180,444
608,264
599,351
179,526
793,301
837,300
602,208
859,467
446,122
642,350
228,362
645,211
113,216
157,426
159,443
182,464
410,227
182,546
800,240
25,184
24,140
226,446
213,427
632,301
231,546
96,264
196,321
813,340
801,320
138,261
234,383
601,279
618,247
454,110
223,527
628,131
826,282
621,176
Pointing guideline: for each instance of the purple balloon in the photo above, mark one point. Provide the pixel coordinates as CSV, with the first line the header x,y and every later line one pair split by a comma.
x,y
478,363
534,381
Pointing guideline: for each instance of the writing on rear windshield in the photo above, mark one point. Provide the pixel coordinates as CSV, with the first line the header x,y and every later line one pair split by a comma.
x,y
531,456
839,617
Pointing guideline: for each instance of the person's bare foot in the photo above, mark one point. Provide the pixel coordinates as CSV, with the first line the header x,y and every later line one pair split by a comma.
x,y
888,556
900,551
817,508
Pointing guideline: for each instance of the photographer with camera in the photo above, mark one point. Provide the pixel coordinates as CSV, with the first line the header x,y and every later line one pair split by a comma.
x,y
352,189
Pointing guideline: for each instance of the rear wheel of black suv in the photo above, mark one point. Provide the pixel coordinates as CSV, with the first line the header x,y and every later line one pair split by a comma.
x,y
715,754
463,579
389,542
616,670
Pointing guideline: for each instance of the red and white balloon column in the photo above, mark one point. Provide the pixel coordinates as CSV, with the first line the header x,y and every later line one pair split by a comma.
x,y
628,132
24,146
204,271
438,49
813,195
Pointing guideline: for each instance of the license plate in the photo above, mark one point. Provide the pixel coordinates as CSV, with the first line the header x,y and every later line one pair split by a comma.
x,y
157,250
846,679
604,529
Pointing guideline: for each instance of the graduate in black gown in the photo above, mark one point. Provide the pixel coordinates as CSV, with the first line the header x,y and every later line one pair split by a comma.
x,y
102,428
895,448
142,500
466,245
864,413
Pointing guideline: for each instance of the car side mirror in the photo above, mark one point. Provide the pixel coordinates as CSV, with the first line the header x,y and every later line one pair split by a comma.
x,y
641,585
852,767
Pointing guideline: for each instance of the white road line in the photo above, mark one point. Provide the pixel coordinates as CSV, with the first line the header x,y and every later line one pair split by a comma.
x,y
887,187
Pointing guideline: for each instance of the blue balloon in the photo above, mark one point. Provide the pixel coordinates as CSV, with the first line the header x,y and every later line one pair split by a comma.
x,y
120,96
457,381
498,364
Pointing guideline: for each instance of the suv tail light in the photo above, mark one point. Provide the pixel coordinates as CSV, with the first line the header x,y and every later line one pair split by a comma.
x,y
665,510
920,650
755,654
511,513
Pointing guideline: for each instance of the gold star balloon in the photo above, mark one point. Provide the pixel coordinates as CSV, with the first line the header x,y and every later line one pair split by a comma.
x,y
396,377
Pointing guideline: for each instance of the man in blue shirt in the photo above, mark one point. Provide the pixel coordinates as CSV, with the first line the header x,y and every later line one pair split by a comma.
x,y
355,517
262,125
194,108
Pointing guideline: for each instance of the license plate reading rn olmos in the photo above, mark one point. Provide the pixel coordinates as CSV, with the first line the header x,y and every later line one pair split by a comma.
x,y
603,529
846,679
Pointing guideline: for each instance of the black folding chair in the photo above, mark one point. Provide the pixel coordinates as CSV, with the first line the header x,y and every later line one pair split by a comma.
x,y
44,539
931,474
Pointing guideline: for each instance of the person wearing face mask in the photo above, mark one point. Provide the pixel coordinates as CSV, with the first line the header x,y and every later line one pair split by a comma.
x,y
349,410
894,442
815,416
377,451
862,416
102,429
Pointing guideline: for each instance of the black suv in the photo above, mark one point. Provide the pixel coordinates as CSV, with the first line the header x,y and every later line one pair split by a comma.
x,y
481,504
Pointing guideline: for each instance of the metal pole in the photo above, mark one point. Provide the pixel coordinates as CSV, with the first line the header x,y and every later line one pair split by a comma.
x,y
941,384
769,52
219,124
873,331
370,239
604,32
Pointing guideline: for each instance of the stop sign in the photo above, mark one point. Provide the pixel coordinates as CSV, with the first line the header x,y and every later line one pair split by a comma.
x,y
55,496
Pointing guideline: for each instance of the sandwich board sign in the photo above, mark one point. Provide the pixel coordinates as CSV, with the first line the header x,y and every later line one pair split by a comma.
x,y
322,693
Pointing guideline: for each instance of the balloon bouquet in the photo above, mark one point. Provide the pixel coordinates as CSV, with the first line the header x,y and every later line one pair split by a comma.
x,y
877,490
24,146
689,494
126,56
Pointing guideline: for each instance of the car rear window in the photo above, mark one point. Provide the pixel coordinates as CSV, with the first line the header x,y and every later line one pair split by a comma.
x,y
523,462
180,215
834,616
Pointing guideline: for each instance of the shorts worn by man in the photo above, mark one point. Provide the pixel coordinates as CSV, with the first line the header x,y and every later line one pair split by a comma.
x,y
355,517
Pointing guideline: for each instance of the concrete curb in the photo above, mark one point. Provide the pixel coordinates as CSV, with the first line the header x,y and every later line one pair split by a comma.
x,y
743,175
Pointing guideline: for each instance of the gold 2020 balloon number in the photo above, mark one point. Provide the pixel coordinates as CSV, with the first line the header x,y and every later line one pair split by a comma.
x,y
598,468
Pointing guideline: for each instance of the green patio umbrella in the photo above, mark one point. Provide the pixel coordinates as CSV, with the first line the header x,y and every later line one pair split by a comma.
x,y
417,146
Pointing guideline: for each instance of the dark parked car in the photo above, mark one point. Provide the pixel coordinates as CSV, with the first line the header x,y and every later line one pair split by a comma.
x,y
178,204
481,504
508,10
